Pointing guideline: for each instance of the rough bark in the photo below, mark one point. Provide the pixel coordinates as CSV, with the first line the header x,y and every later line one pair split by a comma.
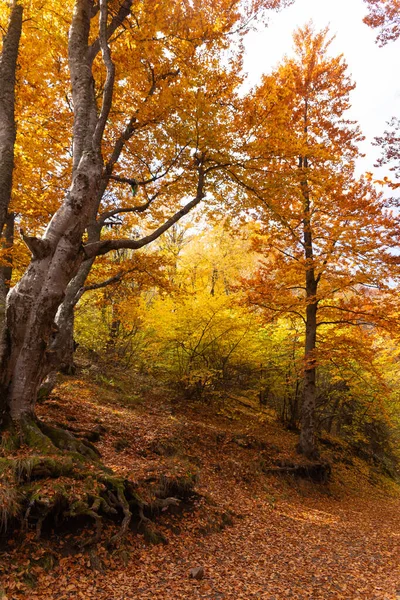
x,y
8,67
33,302
6,269
60,263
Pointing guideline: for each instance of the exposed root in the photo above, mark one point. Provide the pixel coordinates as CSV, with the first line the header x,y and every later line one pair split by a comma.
x,y
44,492
60,480
43,438
319,472
126,520
64,440
40,521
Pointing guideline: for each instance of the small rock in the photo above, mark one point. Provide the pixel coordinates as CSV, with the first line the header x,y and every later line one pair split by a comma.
x,y
196,573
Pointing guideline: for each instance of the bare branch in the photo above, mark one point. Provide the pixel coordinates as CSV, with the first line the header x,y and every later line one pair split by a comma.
x,y
130,129
105,246
109,84
130,209
159,175
117,21
97,286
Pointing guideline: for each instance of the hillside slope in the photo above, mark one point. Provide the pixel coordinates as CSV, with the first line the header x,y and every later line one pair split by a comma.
x,y
257,530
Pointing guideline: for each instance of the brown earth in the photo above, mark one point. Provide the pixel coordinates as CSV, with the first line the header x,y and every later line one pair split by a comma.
x,y
257,534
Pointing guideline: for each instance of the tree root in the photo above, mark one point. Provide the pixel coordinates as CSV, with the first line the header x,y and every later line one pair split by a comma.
x,y
61,481
63,489
64,440
318,472
44,439
126,520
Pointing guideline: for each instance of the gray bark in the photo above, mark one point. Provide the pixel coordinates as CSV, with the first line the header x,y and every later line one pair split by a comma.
x,y
60,263
63,345
33,302
6,270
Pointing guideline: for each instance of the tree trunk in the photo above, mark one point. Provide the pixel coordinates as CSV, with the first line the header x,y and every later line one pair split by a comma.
x,y
63,346
8,67
32,304
6,270
65,338
307,444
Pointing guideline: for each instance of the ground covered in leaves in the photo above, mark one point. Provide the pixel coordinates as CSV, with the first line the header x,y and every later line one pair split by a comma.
x,y
257,533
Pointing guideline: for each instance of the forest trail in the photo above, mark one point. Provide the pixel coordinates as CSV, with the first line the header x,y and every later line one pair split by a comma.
x,y
257,535
291,551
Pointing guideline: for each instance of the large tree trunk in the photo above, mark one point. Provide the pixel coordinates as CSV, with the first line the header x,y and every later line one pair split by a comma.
x,y
307,444
8,67
32,304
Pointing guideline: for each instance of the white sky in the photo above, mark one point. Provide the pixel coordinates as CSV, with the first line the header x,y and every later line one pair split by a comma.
x,y
375,70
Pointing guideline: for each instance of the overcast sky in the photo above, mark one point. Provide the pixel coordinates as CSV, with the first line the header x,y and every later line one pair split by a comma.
x,y
375,70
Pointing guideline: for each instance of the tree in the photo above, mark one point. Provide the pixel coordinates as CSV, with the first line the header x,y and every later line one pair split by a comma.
x,y
385,16
198,332
151,98
324,234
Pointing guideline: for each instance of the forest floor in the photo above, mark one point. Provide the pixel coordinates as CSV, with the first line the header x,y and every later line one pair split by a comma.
x,y
257,534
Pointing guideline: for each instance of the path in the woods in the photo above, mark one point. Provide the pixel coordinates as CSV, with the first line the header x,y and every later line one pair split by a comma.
x,y
318,550
257,536
318,553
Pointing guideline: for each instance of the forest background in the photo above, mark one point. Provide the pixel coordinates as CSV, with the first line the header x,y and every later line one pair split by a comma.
x,y
119,120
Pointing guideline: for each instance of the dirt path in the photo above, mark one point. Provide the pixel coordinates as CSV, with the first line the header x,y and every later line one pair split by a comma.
x,y
286,552
257,536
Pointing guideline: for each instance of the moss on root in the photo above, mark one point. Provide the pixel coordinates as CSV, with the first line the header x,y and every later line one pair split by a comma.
x,y
55,478
44,492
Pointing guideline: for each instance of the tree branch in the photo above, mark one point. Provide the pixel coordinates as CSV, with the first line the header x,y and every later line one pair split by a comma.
x,y
117,20
117,211
105,246
110,78
81,77
97,286
38,247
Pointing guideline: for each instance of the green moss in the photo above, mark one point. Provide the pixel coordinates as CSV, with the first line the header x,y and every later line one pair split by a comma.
x,y
30,580
64,440
47,562
34,437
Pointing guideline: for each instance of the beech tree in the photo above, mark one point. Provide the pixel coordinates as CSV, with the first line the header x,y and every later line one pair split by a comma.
x,y
130,65
150,108
325,235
